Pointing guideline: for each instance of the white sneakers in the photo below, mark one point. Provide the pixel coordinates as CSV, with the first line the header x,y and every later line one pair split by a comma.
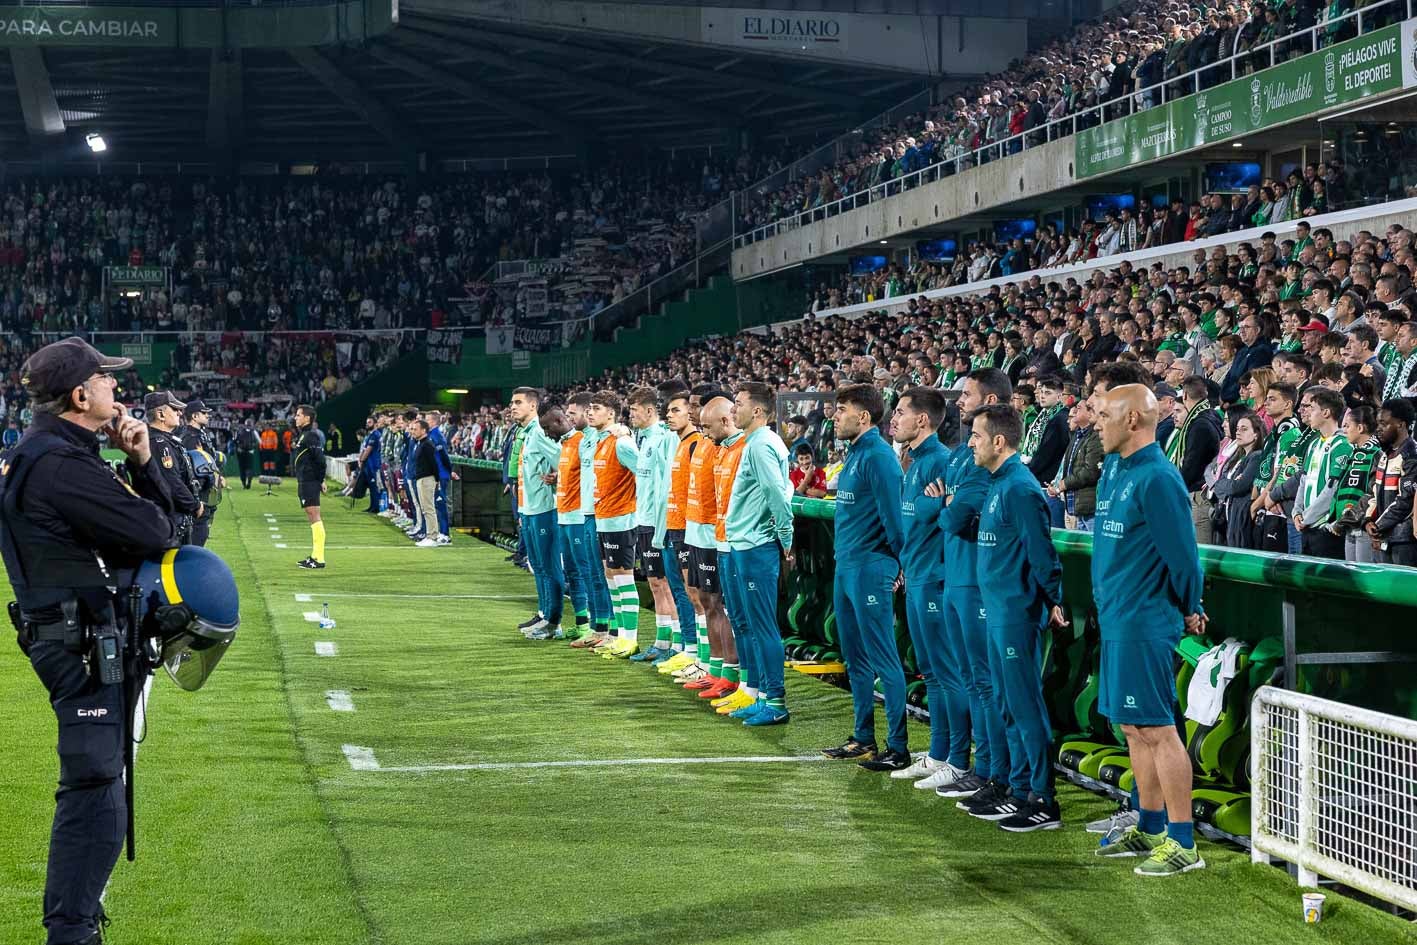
x,y
428,543
922,765
941,773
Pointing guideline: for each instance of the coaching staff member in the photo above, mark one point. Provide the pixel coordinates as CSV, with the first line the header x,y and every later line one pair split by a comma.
x,y
309,463
164,417
70,530
1147,582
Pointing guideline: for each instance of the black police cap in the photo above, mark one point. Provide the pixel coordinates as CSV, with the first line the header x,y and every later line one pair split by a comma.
x,y
196,406
58,368
162,398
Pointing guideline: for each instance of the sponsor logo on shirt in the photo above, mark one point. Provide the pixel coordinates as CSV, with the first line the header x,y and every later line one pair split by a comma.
x,y
988,539
994,505
91,713
870,600
934,608
907,508
1126,492
1010,653
1131,702
1113,528
845,497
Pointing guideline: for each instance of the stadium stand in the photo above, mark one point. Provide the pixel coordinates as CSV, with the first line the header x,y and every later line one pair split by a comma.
x,y
1150,54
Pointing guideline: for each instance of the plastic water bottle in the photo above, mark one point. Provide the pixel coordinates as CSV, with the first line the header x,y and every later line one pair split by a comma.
x,y
326,623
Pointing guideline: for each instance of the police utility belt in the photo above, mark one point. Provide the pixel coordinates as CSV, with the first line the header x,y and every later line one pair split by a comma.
x,y
102,642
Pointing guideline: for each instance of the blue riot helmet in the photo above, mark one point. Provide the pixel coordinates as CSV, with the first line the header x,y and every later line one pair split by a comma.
x,y
189,603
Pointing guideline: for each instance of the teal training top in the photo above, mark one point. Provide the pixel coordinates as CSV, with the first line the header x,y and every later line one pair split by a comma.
x,y
540,454
760,505
1020,577
588,441
655,446
1146,569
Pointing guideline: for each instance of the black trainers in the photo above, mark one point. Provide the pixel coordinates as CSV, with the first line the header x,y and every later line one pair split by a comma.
x,y
1002,809
967,786
888,760
1035,814
310,564
991,792
851,750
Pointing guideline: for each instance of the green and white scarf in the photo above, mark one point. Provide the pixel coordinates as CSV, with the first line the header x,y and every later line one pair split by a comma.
x,y
1176,447
1352,495
1034,437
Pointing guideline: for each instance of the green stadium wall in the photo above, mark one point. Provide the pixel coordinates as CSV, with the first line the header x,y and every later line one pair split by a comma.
x,y
720,307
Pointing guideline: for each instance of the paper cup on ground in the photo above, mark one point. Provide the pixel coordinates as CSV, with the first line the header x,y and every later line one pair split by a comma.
x,y
1313,907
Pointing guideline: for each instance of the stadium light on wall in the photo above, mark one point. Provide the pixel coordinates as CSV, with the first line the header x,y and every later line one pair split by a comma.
x,y
455,390
96,143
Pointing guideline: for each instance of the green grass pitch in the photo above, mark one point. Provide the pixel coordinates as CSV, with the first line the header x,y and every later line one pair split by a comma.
x,y
254,829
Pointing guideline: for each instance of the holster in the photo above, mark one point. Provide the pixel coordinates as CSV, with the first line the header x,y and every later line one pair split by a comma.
x,y
69,630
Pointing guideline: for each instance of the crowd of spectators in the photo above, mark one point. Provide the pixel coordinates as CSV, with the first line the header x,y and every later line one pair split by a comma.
x,y
1304,193
1123,61
1254,332
329,252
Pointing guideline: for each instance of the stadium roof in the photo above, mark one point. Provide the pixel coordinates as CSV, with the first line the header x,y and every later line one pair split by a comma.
x,y
453,89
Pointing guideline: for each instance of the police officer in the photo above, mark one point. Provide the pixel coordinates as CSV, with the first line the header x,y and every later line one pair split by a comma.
x,y
70,532
164,413
246,444
195,436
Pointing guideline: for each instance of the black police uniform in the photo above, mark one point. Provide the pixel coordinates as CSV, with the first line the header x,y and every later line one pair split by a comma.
x,y
248,442
195,438
309,466
71,530
176,468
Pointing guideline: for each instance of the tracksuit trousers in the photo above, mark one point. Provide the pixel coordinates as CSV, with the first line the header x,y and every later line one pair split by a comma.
x,y
1016,658
967,638
754,576
543,545
865,626
948,697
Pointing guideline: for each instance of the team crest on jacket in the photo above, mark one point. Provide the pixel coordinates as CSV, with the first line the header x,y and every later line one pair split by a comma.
x,y
167,461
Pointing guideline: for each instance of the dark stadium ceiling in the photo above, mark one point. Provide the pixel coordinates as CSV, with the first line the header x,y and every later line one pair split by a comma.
x,y
451,89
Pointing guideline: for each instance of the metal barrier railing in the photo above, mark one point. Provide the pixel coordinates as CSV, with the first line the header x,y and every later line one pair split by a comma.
x,y
1308,40
1334,791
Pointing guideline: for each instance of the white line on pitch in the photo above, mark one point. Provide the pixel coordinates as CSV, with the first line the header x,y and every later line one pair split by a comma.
x,y
277,537
383,596
312,616
339,700
607,763
326,649
303,598
280,545
361,759
274,528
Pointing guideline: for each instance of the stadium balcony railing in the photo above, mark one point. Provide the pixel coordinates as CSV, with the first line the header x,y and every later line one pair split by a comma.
x,y
1063,129
1374,218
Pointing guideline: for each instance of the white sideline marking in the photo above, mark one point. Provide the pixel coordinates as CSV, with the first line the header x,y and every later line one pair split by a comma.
x,y
277,537
607,763
383,596
339,700
279,545
274,528
326,649
361,759
302,598
312,616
